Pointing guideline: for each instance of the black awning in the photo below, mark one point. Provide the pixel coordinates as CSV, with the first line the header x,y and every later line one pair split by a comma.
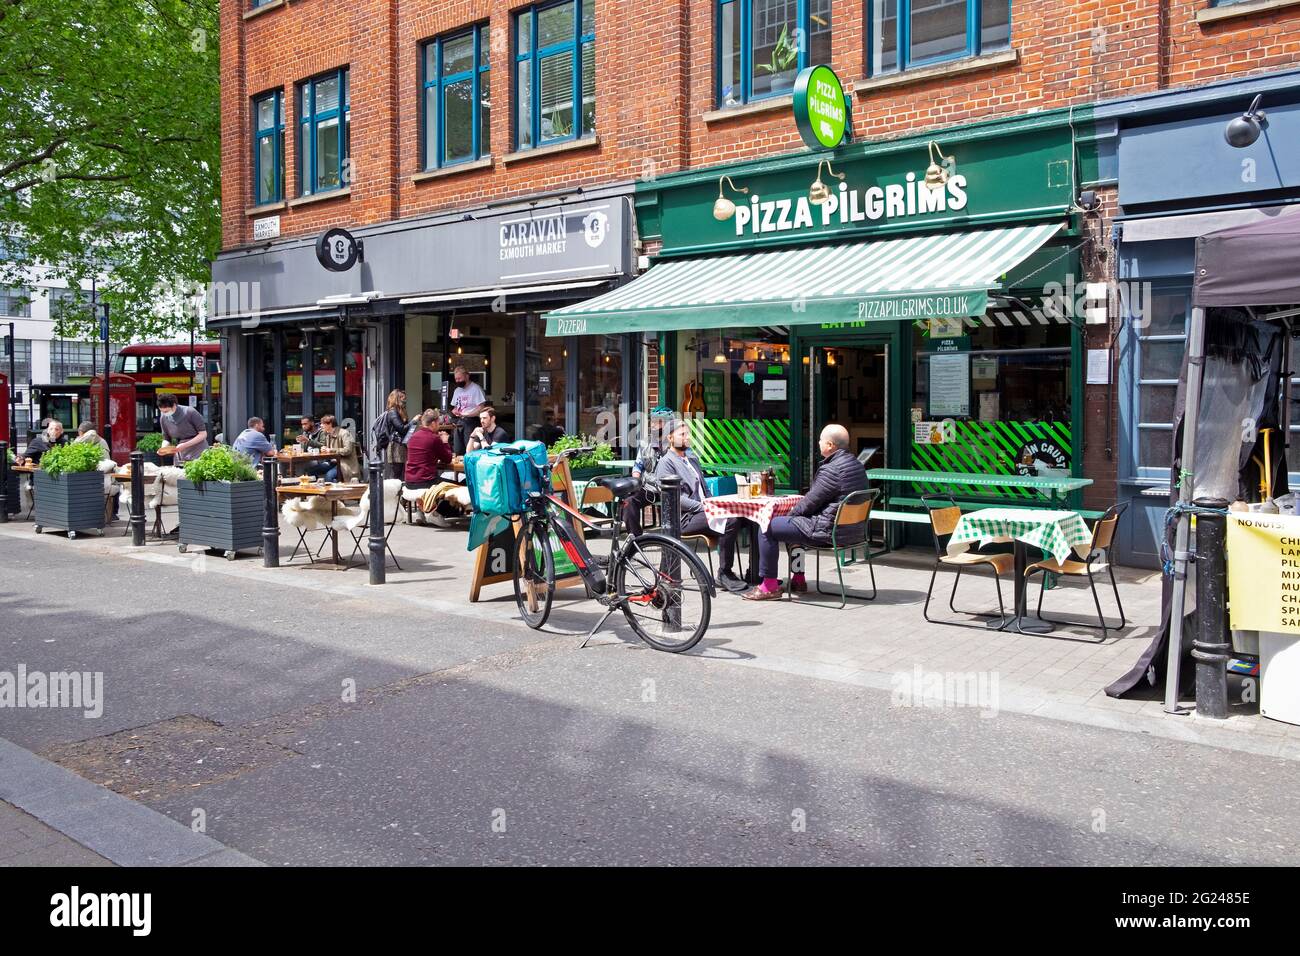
x,y
1257,264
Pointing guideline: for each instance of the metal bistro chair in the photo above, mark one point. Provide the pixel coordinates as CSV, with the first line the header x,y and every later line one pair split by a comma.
x,y
1103,534
855,509
944,514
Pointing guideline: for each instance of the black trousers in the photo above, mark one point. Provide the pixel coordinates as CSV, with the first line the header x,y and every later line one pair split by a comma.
x,y
697,524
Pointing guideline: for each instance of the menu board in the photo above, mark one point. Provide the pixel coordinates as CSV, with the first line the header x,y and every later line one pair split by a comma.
x,y
715,390
949,384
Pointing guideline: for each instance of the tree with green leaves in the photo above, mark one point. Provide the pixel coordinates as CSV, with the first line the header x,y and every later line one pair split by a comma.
x,y
110,146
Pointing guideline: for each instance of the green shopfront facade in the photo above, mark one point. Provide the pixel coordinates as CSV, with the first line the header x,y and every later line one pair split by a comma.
x,y
926,320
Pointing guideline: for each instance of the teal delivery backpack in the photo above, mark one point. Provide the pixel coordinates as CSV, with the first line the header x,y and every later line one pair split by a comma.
x,y
501,478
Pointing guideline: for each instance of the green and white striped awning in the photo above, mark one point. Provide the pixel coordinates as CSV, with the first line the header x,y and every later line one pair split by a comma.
x,y
918,277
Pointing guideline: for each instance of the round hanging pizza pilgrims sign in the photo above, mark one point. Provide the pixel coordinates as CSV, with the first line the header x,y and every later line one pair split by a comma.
x,y
1042,458
821,107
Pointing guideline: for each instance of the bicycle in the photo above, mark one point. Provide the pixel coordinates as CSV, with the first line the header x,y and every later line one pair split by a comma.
x,y
662,588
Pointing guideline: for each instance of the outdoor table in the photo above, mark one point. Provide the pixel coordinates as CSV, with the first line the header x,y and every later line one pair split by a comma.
x,y
333,493
759,511
291,459
1060,533
158,531
742,469
26,470
1054,487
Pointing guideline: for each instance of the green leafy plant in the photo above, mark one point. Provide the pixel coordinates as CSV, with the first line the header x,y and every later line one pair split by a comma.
x,y
785,54
150,442
601,450
71,459
220,463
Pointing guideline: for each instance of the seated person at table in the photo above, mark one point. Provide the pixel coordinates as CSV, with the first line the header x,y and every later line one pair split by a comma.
x,y
427,455
488,433
679,460
634,504
809,522
252,441
338,441
310,435
86,435
45,440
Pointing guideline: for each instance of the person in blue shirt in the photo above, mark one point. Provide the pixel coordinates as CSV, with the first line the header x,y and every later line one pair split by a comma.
x,y
252,441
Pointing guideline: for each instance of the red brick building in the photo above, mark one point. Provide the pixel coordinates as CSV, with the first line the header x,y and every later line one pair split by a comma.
x,y
664,91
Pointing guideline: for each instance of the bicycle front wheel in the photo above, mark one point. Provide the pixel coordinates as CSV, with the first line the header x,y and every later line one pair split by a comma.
x,y
664,590
534,573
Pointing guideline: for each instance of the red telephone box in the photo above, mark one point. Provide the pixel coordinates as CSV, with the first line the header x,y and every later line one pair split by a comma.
x,y
121,412
4,410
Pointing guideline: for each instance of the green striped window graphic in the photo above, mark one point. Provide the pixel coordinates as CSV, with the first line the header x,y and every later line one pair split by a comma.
x,y
986,448
744,442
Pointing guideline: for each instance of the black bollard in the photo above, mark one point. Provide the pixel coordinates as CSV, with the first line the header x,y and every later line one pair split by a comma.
x,y
271,516
1211,646
4,481
376,521
136,518
670,487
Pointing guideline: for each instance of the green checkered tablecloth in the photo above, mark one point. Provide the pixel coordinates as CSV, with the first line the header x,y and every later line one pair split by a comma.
x,y
1060,533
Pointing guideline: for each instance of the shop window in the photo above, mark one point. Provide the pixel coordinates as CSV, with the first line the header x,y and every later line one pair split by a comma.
x,y
545,383
1158,358
762,44
555,73
600,387
905,34
324,133
15,303
457,105
737,383
268,148
1002,388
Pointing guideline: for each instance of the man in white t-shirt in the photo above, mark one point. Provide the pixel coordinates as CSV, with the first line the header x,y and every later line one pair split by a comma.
x,y
466,401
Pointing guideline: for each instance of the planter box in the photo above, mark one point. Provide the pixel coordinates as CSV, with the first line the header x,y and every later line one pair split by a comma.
x,y
226,515
70,502
12,500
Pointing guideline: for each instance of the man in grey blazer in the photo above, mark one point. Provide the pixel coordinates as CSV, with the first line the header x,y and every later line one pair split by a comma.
x,y
679,460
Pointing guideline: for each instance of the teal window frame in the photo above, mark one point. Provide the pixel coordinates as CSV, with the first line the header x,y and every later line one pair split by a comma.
x,y
803,24
310,120
440,82
275,132
975,43
532,57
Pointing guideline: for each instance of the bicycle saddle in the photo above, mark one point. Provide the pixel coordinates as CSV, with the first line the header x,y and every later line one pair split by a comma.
x,y
617,485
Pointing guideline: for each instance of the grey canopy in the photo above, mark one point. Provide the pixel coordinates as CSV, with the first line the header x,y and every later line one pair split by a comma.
x,y
1257,264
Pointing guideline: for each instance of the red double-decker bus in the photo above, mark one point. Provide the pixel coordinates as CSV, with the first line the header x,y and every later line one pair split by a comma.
x,y
167,367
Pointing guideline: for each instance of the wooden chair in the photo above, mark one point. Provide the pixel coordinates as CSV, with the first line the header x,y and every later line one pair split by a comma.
x,y
854,510
1103,534
944,513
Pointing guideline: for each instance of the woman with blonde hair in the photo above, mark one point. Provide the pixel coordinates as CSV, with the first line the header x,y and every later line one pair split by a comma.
x,y
388,434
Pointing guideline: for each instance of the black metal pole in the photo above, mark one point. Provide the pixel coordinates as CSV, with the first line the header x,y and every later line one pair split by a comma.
x,y
136,518
376,521
670,487
1211,646
13,395
4,481
271,516
106,424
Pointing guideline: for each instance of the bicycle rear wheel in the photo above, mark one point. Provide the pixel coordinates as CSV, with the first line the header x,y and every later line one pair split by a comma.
x,y
664,590
534,573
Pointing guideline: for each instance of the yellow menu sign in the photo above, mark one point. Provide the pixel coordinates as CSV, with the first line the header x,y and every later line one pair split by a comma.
x,y
1264,573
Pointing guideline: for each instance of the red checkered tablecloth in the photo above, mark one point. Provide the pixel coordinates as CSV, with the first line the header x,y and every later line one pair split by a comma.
x,y
761,511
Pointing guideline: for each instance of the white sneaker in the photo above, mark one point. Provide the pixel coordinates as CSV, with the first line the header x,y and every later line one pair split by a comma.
x,y
437,520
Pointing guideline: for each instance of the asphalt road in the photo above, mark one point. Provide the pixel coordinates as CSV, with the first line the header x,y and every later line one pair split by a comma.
x,y
310,729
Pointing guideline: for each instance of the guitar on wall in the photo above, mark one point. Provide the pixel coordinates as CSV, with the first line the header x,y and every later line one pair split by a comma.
x,y
693,392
